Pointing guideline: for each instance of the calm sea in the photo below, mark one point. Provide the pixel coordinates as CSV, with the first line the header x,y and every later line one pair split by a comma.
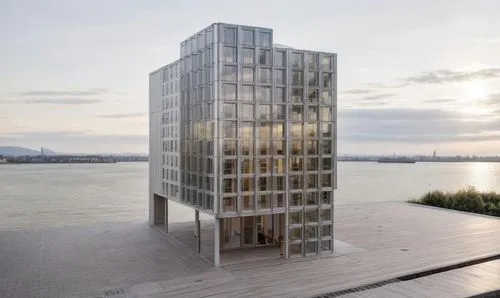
x,y
38,196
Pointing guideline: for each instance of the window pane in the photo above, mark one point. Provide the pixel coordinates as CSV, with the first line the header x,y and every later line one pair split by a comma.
x,y
297,94
229,91
327,62
296,131
312,60
229,204
312,197
326,130
229,185
229,129
246,111
295,233
312,164
326,197
296,199
229,110
279,148
296,113
230,73
247,93
327,80
265,94
279,75
279,95
311,231
312,95
247,184
295,164
279,199
312,114
248,74
247,148
325,214
326,114
326,97
296,182
247,203
312,148
248,37
229,166
297,78
230,35
229,147
248,56
265,39
311,215
279,112
265,75
326,230
229,54
247,166
264,113
297,59
265,57
265,165
279,163
313,78
246,130
296,147
326,163
265,184
326,180
326,146
279,59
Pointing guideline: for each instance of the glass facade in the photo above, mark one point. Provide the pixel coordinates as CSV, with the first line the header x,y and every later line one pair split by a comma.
x,y
257,136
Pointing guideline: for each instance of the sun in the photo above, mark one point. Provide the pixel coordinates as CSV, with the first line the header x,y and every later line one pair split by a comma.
x,y
476,90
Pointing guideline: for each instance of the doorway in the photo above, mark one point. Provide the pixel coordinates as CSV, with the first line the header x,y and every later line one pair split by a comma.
x,y
252,231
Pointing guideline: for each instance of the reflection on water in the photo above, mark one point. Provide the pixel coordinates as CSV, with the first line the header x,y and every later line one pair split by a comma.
x,y
368,182
482,175
48,195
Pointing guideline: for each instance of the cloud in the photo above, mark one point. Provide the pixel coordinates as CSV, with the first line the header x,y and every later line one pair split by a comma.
x,y
358,91
86,92
413,126
120,116
445,76
379,96
440,100
44,137
372,102
493,99
54,101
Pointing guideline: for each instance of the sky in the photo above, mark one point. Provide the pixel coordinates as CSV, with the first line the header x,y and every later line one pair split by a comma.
x,y
413,76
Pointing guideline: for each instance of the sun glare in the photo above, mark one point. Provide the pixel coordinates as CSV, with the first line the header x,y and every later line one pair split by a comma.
x,y
476,90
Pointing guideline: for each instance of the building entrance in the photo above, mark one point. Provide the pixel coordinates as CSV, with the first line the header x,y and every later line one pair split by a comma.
x,y
252,231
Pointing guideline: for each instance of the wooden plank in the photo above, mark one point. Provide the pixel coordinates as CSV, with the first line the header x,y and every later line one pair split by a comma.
x,y
394,239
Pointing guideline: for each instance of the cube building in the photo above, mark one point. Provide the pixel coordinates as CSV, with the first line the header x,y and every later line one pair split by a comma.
x,y
244,130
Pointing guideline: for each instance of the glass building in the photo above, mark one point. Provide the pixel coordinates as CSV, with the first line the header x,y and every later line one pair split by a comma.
x,y
257,141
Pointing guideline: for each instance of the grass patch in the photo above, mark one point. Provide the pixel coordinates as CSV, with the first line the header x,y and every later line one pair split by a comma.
x,y
468,200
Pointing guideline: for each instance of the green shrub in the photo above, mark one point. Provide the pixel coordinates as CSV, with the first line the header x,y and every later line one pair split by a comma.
x,y
435,198
468,200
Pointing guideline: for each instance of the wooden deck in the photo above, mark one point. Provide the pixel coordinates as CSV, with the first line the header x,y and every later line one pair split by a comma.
x,y
391,240
463,282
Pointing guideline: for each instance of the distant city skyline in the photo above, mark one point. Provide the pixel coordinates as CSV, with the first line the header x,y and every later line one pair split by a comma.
x,y
413,76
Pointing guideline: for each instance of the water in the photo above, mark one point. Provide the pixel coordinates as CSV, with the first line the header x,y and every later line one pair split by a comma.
x,y
33,196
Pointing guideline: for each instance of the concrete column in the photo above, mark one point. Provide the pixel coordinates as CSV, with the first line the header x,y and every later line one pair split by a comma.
x,y
287,242
197,230
166,215
217,242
